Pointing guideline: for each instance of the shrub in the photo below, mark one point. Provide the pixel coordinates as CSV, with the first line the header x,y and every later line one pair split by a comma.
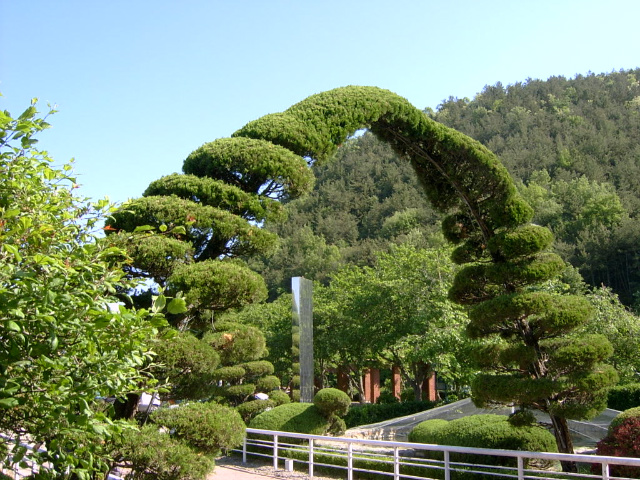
x,y
622,441
331,401
427,431
623,397
267,384
622,416
279,397
151,455
248,410
206,427
373,413
484,431
258,368
292,417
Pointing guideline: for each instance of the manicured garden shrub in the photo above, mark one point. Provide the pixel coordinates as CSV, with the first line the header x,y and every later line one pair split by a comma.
x,y
154,455
622,416
331,401
292,417
623,397
248,410
369,413
484,431
623,440
279,397
427,431
267,384
206,427
319,418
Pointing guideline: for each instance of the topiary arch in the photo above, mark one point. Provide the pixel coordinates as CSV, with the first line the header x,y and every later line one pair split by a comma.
x,y
231,184
488,221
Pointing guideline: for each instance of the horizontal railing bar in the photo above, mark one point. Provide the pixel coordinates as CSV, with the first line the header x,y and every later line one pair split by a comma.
x,y
571,457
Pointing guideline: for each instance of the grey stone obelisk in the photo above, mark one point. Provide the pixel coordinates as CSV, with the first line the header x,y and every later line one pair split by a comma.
x,y
302,332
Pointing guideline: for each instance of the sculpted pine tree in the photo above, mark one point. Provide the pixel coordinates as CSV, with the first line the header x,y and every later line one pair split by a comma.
x,y
203,221
542,365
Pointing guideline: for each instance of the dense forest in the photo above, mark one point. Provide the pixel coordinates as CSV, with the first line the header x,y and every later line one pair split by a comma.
x,y
570,144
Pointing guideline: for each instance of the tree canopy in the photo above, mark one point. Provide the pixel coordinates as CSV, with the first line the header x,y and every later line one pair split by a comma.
x,y
65,343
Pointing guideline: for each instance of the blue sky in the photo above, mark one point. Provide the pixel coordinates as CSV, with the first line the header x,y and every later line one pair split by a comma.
x,y
140,84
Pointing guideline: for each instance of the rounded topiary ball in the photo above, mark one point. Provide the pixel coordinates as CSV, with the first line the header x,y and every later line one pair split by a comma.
x,y
331,401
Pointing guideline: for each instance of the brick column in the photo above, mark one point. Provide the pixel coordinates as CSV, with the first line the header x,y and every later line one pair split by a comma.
x,y
371,385
429,388
375,384
343,380
396,382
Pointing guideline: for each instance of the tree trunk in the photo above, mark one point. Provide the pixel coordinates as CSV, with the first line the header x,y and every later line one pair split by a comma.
x,y
128,408
564,442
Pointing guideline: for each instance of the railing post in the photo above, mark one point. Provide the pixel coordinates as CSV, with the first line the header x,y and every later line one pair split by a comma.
x,y
244,450
605,471
447,466
275,452
520,468
350,461
396,464
311,458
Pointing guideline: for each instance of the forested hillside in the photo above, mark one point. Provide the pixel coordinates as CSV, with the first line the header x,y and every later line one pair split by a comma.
x,y
573,146
575,143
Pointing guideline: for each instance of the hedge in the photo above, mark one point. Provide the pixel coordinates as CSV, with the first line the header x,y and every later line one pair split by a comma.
x,y
624,397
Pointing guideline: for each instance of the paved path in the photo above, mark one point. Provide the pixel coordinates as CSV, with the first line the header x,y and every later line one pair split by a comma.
x,y
235,473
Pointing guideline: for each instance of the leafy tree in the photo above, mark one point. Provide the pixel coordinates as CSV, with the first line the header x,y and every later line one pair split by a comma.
x,y
398,313
613,320
62,347
587,218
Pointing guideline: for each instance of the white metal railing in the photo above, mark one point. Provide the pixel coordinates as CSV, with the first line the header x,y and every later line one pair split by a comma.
x,y
410,460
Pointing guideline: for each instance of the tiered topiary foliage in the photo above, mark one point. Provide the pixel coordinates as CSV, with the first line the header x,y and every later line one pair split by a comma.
x,y
538,366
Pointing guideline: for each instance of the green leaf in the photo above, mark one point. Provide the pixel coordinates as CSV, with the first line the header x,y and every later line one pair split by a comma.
x,y
159,303
177,305
8,402
12,326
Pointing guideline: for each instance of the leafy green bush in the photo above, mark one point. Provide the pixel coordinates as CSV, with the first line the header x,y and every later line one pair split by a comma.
x,y
279,397
484,431
248,410
268,383
292,417
373,413
623,397
155,455
331,401
427,431
206,427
